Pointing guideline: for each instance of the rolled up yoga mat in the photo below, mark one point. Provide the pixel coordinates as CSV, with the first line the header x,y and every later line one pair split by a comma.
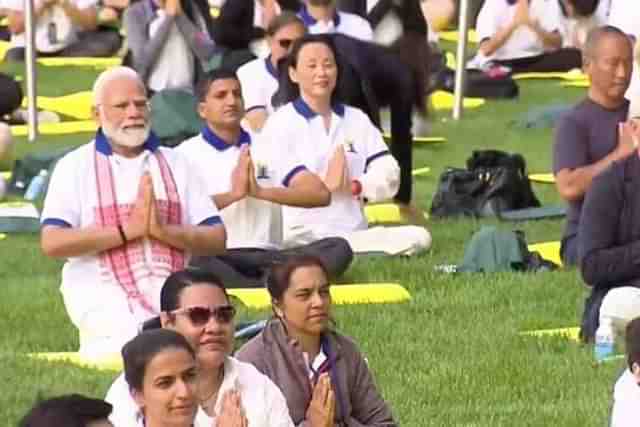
x,y
61,128
548,250
573,76
76,105
365,293
542,178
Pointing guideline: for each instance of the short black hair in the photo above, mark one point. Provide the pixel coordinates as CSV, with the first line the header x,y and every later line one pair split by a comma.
x,y
202,88
180,280
632,342
279,278
73,410
137,353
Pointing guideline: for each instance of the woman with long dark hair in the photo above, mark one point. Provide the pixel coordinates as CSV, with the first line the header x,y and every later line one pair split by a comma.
x,y
340,144
322,373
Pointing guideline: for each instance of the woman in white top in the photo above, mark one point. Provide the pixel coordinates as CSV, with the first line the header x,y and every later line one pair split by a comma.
x,y
524,35
259,78
195,304
169,42
341,145
161,371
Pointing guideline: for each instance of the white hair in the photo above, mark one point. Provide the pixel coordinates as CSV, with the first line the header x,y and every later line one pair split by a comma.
x,y
110,75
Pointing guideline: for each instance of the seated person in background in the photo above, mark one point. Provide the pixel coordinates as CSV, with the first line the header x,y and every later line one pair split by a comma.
x,y
73,410
340,144
169,42
259,78
124,213
439,14
524,36
322,16
110,11
195,304
625,16
242,24
323,375
592,135
161,371
608,245
249,179
626,395
579,17
63,28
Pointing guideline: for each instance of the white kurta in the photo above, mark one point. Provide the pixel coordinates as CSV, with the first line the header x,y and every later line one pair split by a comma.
x,y
96,304
250,223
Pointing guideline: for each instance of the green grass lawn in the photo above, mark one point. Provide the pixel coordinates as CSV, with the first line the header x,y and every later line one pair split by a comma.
x,y
452,356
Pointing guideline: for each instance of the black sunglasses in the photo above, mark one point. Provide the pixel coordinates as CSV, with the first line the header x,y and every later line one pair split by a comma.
x,y
199,315
285,43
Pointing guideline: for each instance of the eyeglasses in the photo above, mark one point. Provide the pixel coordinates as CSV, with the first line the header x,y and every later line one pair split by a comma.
x,y
139,104
285,43
199,315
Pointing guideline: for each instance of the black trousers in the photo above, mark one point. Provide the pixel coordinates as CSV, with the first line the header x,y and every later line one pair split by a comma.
x,y
99,43
560,60
248,267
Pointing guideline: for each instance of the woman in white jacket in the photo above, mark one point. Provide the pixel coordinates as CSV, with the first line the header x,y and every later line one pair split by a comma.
x,y
229,393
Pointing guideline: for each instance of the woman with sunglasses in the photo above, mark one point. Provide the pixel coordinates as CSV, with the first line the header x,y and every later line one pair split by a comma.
x,y
322,373
259,78
160,369
229,392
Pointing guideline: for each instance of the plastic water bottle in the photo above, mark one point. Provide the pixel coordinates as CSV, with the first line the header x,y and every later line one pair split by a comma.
x,y
36,186
605,340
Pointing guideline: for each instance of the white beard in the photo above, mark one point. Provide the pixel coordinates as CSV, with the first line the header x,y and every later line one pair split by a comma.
x,y
131,137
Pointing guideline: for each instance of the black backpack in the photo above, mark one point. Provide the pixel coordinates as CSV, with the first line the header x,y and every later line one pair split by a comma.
x,y
493,182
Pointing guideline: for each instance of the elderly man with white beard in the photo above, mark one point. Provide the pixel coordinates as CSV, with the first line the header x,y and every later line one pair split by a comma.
x,y
125,213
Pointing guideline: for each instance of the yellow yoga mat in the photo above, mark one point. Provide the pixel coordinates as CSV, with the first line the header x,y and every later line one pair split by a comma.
x,y
76,105
548,250
578,83
109,363
62,128
441,100
4,47
452,36
370,293
569,333
81,61
421,171
573,76
542,178
385,213
420,139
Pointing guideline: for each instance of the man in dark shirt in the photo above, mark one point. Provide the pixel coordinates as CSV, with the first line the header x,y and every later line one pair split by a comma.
x,y
594,133
609,245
